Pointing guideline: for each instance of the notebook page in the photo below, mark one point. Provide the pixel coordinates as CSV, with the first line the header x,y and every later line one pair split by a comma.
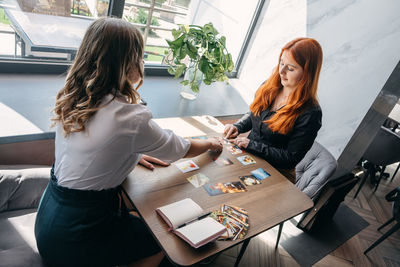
x,y
201,232
180,212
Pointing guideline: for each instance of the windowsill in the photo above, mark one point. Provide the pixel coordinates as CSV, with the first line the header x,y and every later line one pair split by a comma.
x,y
30,98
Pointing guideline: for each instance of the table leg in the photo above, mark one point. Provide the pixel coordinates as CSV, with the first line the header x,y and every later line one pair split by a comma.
x,y
242,250
279,234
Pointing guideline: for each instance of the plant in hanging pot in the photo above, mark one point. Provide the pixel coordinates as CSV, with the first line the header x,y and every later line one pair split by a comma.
x,y
199,53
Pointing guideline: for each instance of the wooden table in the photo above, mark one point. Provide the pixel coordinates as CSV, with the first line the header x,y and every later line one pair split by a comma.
x,y
269,204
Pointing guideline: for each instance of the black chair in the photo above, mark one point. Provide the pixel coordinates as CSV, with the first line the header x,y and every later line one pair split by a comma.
x,y
394,196
383,151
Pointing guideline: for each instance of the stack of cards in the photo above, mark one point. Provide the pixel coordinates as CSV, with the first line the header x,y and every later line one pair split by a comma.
x,y
235,219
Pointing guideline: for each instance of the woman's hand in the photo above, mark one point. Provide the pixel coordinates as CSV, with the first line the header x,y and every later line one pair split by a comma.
x,y
147,160
241,142
230,131
215,144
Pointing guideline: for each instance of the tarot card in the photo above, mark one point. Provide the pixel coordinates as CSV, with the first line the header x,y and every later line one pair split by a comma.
x,y
260,174
215,189
246,160
198,179
234,150
187,166
249,180
222,161
235,187
200,137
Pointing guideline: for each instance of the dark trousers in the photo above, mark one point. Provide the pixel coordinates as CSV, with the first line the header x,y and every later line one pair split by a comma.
x,y
87,228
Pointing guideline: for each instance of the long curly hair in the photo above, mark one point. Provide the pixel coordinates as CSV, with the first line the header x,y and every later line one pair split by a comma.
x,y
110,51
307,52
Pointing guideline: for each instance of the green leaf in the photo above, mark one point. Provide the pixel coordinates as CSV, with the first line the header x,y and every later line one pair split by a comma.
x,y
179,70
223,40
230,63
184,82
195,87
176,33
171,70
207,82
182,53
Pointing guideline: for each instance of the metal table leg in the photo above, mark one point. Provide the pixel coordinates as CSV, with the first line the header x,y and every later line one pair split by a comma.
x,y
279,234
242,250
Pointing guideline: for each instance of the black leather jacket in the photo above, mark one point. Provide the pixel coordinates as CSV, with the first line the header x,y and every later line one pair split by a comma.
x,y
281,151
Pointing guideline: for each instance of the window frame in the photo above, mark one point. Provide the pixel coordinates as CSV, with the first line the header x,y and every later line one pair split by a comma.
x,y
115,9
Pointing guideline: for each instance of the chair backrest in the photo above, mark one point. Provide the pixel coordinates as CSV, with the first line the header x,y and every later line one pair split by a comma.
x,y
315,169
384,148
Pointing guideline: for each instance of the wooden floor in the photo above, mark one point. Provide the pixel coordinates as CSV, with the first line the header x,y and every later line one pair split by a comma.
x,y
371,206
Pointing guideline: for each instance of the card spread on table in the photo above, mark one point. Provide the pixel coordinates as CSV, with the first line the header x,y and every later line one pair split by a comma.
x,y
221,161
246,160
235,187
187,166
200,137
260,174
220,188
249,180
234,150
215,189
198,179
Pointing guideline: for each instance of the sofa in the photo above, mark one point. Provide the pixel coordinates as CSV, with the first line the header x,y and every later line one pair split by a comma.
x,y
21,188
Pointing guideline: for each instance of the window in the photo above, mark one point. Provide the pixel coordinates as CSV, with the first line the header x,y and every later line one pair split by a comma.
x,y
49,31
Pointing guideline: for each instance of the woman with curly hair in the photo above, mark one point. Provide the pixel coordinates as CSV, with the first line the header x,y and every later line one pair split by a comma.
x,y
102,133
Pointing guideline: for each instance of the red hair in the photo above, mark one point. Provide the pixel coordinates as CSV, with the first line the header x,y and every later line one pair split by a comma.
x,y
307,52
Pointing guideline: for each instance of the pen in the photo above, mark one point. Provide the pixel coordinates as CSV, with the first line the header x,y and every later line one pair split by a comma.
x,y
196,219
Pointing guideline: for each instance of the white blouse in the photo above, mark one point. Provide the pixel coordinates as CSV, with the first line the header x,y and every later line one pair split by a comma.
x,y
109,149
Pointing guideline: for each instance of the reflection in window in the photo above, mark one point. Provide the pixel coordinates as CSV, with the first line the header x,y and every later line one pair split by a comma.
x,y
156,19
46,29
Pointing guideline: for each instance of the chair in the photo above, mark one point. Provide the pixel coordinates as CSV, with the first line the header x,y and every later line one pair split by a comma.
x,y
314,170
394,196
383,151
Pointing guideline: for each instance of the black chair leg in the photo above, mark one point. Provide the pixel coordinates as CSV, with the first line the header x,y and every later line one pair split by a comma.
x,y
386,223
383,237
380,177
363,181
395,172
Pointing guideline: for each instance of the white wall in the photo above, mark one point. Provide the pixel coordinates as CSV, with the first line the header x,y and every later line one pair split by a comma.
x,y
360,41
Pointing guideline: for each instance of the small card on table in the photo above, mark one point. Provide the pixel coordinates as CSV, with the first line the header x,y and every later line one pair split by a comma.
x,y
198,179
249,180
246,160
187,166
260,174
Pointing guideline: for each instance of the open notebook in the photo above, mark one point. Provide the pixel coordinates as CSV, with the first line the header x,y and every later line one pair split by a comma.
x,y
188,221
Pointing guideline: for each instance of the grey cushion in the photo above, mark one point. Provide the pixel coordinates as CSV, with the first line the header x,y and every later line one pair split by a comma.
x,y
22,188
17,242
314,170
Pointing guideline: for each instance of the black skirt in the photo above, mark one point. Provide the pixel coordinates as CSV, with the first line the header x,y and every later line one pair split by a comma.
x,y
87,228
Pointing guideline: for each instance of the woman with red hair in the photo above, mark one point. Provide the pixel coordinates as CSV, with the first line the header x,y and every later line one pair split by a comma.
x,y
285,116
